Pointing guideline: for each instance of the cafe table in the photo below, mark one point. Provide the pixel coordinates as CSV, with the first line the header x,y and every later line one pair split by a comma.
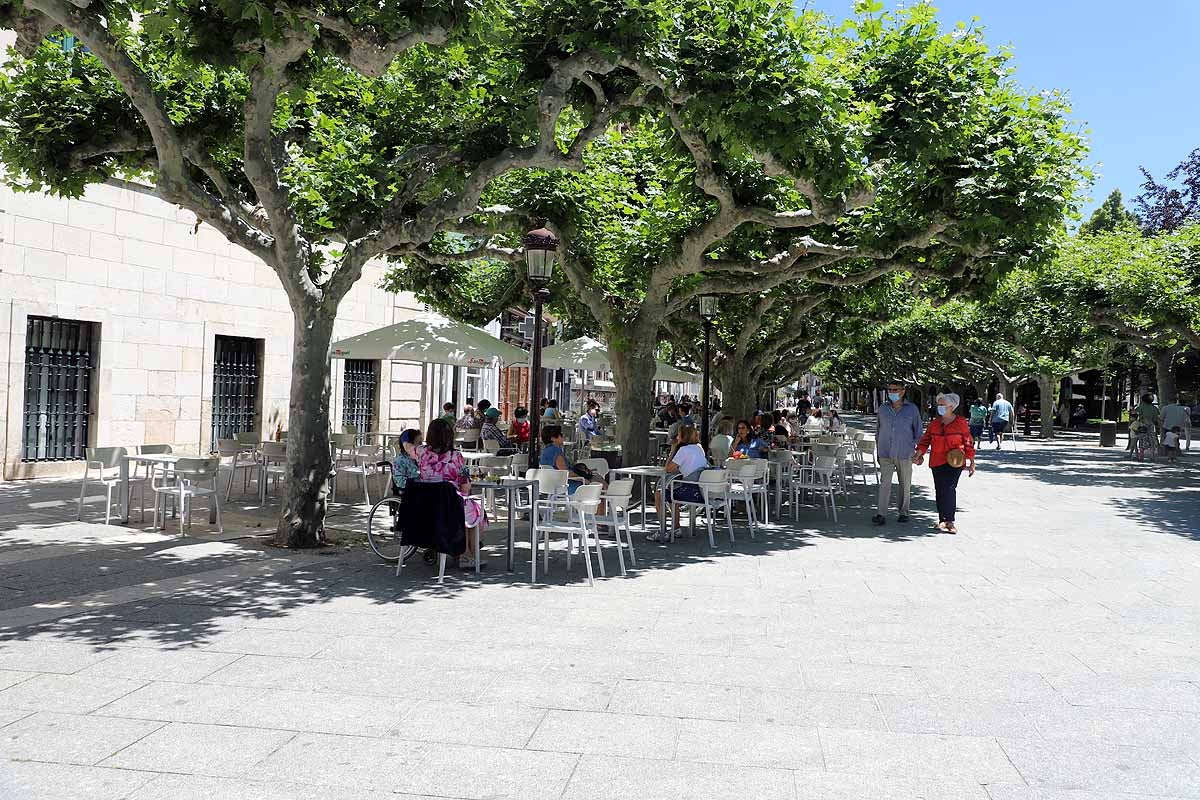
x,y
154,461
647,472
511,486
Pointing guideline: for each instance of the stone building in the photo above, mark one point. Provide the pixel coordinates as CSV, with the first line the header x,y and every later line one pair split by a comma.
x,y
123,322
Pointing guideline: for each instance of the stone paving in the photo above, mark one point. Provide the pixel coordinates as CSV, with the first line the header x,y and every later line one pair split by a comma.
x,y
1048,652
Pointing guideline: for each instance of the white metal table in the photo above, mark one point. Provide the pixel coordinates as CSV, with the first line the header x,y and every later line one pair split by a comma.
x,y
510,486
154,460
646,472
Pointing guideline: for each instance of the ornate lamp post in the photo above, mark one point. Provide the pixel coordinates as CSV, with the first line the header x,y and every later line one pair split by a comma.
x,y
708,310
541,247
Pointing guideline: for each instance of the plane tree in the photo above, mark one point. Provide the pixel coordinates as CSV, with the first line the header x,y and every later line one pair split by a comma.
x,y
316,136
781,147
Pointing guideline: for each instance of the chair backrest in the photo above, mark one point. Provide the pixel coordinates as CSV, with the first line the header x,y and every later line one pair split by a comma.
x,y
274,451
342,441
762,468
825,464
550,481
597,465
866,445
197,469
714,480
228,447
531,473
856,435
719,447
620,493
248,437
155,449
742,468
350,428
496,463
491,446
367,454
469,435
587,498
824,450
106,457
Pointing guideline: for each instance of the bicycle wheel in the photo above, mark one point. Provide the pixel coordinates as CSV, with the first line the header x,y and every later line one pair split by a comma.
x,y
380,534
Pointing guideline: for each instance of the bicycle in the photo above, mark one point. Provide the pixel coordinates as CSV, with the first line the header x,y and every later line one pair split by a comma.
x,y
383,534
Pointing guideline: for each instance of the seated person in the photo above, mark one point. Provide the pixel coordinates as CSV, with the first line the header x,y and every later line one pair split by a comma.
x,y
834,422
518,431
467,420
553,456
589,425
448,414
480,410
491,432
748,442
685,414
552,412
815,423
687,459
668,415
722,443
404,465
439,461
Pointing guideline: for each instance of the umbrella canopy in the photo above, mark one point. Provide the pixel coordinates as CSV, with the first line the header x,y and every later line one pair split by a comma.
x,y
432,339
591,354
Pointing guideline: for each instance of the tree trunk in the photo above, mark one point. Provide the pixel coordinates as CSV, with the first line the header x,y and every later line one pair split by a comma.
x,y
302,523
1003,387
1164,373
1046,385
633,373
739,389
981,391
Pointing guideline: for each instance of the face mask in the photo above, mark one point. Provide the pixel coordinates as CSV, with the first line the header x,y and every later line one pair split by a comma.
x,y
894,397
943,411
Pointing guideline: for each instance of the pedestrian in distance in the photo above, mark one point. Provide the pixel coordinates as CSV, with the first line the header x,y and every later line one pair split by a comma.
x,y
898,429
1002,418
950,446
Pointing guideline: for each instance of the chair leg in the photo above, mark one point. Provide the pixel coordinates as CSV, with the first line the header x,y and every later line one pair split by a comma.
x,y
108,503
441,568
478,539
533,548
729,517
617,536
587,556
82,490
599,552
185,510
216,501
629,539
229,486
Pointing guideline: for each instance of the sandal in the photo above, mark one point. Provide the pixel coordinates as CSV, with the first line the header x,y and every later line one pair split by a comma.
x,y
950,528
941,526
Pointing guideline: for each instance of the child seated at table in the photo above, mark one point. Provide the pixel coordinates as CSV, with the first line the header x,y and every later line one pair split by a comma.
x,y
518,431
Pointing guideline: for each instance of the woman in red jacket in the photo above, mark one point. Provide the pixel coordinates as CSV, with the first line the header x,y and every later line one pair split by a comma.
x,y
948,438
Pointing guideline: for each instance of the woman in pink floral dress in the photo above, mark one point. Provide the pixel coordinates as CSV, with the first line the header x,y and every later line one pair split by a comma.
x,y
439,461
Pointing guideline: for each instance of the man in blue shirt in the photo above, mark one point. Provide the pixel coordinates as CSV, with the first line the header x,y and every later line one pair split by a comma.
x,y
588,425
897,432
1002,414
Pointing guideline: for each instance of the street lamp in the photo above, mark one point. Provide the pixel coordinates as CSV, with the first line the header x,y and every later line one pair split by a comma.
x,y
541,251
708,310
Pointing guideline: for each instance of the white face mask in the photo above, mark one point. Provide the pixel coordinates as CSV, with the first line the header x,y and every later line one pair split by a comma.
x,y
943,411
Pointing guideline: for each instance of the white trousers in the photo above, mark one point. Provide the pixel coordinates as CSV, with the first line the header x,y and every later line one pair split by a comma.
x,y
903,469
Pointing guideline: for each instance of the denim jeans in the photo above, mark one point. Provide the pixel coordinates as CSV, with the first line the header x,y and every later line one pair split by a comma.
x,y
945,485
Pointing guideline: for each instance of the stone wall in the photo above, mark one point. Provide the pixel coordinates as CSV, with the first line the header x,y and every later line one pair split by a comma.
x,y
161,288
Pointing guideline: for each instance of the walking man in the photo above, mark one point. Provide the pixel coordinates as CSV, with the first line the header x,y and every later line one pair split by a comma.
x,y
1002,417
898,431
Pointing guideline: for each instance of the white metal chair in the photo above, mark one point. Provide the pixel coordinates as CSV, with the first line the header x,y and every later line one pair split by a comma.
x,y
597,465
365,461
617,500
866,455
341,448
468,439
819,479
742,473
234,457
152,470
106,459
273,465
715,495
581,520
190,473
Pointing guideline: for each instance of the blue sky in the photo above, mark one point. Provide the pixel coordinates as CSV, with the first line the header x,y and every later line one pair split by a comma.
x,y
1132,71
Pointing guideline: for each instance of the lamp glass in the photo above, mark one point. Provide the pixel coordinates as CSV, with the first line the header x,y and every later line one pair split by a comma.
x,y
708,306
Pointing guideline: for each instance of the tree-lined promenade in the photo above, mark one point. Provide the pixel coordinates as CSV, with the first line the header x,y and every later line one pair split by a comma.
x,y
877,198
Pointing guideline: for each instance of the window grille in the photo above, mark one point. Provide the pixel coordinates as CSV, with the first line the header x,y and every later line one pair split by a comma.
x,y
235,387
59,374
360,387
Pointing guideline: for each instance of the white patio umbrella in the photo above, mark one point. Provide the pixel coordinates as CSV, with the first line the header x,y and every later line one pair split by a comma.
x,y
591,354
432,339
